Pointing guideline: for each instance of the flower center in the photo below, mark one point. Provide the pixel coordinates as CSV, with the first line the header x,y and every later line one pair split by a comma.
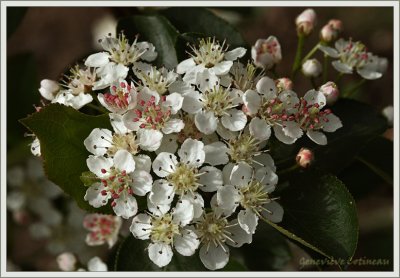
x,y
270,47
101,226
124,53
116,184
244,78
79,80
273,110
152,115
218,100
209,53
120,96
254,196
190,130
163,229
123,142
156,80
310,116
184,179
243,148
354,54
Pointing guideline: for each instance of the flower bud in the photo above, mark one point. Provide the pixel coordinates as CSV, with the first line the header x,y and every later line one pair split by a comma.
x,y
336,24
311,68
266,52
284,84
330,91
331,31
305,157
388,112
48,88
66,261
306,22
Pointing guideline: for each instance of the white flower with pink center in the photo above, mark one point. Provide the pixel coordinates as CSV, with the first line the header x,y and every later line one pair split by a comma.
x,y
102,228
121,98
153,117
119,181
266,52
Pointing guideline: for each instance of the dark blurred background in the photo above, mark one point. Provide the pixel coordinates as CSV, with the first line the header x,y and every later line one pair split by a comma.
x,y
50,39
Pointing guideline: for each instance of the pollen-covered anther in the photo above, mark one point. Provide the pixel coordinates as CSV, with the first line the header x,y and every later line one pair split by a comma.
x,y
244,148
218,100
163,229
209,52
184,179
254,196
154,115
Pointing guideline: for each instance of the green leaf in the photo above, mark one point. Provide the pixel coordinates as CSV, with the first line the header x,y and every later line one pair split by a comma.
x,y
157,30
88,178
361,124
22,93
203,21
14,18
268,251
61,131
320,214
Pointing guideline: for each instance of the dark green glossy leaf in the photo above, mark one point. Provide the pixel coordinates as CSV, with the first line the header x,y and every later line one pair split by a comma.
x,y
61,131
320,214
202,21
14,18
268,251
157,30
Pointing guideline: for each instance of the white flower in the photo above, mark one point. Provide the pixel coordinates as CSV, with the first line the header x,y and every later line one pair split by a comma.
x,y
311,68
251,191
121,98
103,228
241,77
330,91
306,22
118,180
66,261
167,230
95,264
215,233
112,64
266,52
354,55
209,56
184,177
272,110
153,117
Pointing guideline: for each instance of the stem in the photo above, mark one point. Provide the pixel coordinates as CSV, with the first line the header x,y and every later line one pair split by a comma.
x,y
338,77
273,72
325,73
311,53
354,89
313,84
287,170
299,53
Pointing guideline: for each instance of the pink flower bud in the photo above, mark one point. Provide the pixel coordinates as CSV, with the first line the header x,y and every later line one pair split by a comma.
x,y
305,157
336,24
266,52
284,84
306,22
331,31
330,91
66,261
311,68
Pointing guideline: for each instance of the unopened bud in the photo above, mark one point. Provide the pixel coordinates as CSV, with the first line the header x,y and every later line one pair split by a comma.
x,y
305,157
388,112
306,22
336,24
48,88
331,31
330,91
66,261
266,52
284,84
312,68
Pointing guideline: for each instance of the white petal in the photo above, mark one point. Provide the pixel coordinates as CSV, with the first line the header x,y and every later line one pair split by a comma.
x,y
192,152
142,163
239,235
124,161
331,52
140,227
266,87
241,174
142,182
216,153
169,144
96,264
235,53
222,67
191,75
183,212
97,60
369,74
226,172
198,203
173,126
164,164
149,139
191,103
252,101
185,66
292,129
312,97
157,209
129,123
236,120
206,80
341,67
267,177
160,253
181,87
48,88
206,122
259,129
77,102
118,124
318,137
174,101
94,197
126,206
248,221
333,123
228,198
186,243
214,257
161,193
150,55
275,213
35,147
98,163
278,130
211,180
98,141
226,133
